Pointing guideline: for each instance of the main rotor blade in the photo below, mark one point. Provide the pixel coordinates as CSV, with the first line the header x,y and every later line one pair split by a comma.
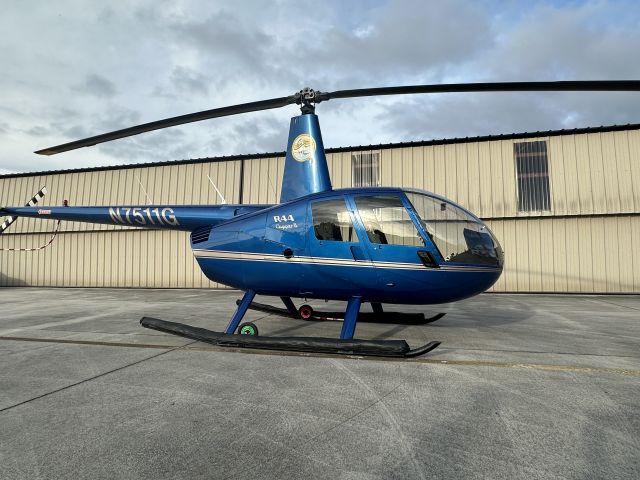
x,y
561,86
306,98
171,122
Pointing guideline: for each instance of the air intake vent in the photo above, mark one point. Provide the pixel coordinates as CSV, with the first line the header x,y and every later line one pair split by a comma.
x,y
200,235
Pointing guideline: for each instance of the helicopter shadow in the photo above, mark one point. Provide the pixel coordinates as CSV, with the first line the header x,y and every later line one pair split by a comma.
x,y
482,311
6,281
487,310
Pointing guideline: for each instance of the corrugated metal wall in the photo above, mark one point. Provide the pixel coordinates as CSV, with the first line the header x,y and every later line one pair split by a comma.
x,y
597,173
589,254
87,255
588,242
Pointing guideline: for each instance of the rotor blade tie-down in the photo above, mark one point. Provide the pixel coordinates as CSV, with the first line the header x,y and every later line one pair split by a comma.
x,y
55,234
31,203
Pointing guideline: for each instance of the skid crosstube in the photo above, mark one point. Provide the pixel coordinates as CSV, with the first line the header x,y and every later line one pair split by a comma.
x,y
378,348
263,307
369,317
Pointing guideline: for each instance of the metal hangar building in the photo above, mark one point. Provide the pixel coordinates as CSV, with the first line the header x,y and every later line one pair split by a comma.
x,y
565,205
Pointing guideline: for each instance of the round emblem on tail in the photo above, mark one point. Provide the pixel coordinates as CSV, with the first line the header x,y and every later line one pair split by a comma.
x,y
303,148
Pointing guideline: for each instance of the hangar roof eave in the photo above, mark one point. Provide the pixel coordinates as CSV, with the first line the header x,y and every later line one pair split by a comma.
x,y
355,148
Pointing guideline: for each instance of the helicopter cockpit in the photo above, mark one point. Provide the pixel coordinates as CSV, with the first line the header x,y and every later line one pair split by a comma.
x,y
459,236
440,232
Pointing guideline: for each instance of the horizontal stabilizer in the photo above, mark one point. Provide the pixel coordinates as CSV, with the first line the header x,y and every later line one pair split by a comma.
x,y
36,198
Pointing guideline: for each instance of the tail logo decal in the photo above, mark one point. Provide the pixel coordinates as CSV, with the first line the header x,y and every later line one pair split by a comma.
x,y
303,148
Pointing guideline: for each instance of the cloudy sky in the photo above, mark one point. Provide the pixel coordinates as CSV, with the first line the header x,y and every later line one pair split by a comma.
x,y
73,68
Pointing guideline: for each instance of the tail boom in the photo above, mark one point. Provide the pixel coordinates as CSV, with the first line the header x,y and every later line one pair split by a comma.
x,y
174,217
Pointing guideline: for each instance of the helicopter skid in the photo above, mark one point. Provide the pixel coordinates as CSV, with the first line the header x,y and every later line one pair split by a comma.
x,y
369,317
378,348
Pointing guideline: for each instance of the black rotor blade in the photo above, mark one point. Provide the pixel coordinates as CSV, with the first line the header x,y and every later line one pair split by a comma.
x,y
171,122
561,86
587,85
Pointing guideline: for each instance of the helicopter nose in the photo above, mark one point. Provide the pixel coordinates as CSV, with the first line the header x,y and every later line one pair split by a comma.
x,y
475,281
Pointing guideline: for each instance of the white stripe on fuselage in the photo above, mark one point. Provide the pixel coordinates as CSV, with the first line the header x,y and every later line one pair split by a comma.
x,y
337,262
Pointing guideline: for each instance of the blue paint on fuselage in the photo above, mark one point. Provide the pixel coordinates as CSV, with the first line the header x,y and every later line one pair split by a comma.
x,y
171,217
419,287
250,253
305,167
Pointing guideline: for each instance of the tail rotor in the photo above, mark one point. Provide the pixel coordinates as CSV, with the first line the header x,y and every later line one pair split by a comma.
x,y
31,203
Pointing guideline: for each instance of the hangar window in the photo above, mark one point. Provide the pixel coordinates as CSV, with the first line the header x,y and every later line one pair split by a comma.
x,y
332,221
532,171
365,169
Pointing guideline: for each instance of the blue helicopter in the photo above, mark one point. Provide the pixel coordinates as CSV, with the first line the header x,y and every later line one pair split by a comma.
x,y
374,245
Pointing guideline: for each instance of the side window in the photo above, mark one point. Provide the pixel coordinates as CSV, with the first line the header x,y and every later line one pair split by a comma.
x,y
386,221
332,221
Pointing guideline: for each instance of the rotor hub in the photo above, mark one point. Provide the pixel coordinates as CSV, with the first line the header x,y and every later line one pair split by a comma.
x,y
307,99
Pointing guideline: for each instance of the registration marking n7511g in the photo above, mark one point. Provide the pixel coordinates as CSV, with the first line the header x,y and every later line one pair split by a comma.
x,y
143,216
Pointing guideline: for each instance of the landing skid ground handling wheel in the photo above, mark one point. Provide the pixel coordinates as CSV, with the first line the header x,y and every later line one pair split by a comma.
x,y
305,312
248,328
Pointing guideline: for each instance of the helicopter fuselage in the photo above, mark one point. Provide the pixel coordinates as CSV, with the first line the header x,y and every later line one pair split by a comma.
x,y
385,245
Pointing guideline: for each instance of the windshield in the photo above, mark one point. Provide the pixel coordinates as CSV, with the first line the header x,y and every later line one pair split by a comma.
x,y
459,236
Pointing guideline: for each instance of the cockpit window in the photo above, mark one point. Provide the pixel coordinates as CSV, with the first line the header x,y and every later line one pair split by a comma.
x,y
332,221
386,221
460,237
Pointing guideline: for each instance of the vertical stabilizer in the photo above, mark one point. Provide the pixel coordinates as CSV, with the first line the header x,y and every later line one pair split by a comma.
x,y
305,168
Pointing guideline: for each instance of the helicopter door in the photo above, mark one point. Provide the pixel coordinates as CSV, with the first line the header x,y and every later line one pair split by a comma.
x,y
334,244
392,238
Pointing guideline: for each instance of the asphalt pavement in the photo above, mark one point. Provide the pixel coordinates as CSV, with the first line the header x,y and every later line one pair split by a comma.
x,y
523,386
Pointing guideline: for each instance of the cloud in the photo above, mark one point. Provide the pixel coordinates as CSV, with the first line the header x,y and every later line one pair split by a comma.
x,y
39,131
585,41
408,37
97,86
162,145
269,134
165,58
189,81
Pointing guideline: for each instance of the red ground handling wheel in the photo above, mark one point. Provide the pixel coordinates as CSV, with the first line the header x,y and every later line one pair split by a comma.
x,y
306,312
